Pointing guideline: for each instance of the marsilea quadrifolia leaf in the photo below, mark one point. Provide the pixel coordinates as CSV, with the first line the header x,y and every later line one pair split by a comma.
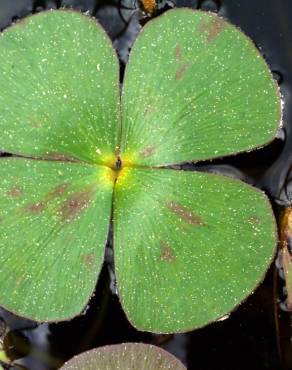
x,y
188,246
125,356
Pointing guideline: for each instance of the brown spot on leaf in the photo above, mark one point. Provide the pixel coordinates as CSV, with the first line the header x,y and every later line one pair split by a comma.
x,y
178,53
166,252
216,28
36,208
59,190
89,259
185,214
75,204
212,28
60,157
181,71
148,110
148,151
15,192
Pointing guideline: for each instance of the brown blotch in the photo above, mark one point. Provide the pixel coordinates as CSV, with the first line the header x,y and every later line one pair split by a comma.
x,y
178,53
148,151
59,190
148,110
181,71
15,192
36,208
89,259
185,214
166,252
213,28
60,157
217,27
74,205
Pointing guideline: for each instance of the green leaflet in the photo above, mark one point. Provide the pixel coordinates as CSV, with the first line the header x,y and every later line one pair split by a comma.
x,y
54,221
195,88
189,246
124,357
61,95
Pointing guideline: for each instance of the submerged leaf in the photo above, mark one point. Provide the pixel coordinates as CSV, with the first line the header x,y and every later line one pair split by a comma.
x,y
60,94
127,356
195,88
189,246
54,221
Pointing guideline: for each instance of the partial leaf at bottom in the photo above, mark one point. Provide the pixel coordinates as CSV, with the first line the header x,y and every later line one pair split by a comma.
x,y
54,221
189,246
125,356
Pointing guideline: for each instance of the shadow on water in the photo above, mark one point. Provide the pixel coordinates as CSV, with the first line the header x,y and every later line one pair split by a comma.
x,y
253,336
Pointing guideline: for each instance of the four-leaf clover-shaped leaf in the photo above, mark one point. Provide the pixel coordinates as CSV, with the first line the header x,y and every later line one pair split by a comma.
x,y
188,246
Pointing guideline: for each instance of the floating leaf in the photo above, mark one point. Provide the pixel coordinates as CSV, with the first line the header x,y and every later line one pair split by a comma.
x,y
189,246
61,88
195,88
125,357
54,221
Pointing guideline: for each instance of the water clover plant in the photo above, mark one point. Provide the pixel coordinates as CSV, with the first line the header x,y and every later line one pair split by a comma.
x,y
188,246
124,357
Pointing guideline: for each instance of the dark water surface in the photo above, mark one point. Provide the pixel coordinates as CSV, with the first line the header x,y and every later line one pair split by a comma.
x,y
258,334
